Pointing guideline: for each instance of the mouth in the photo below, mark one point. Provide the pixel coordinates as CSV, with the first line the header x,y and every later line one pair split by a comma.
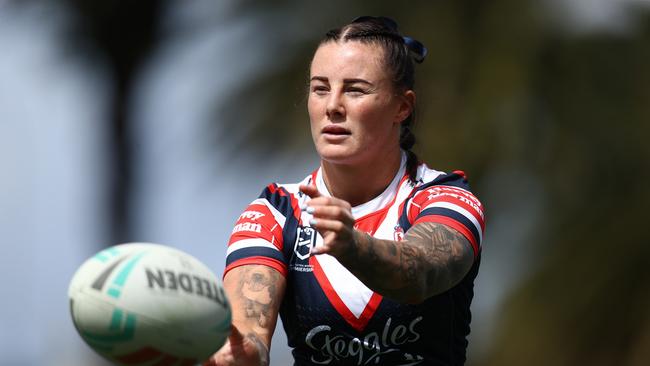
x,y
334,130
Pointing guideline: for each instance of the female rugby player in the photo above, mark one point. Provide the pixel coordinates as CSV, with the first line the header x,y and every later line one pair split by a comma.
x,y
371,259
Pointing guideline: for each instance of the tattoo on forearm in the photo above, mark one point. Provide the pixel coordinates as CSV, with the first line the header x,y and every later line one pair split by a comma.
x,y
262,350
448,253
431,259
257,288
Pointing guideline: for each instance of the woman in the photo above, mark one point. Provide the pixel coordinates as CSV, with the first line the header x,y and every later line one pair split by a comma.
x,y
370,259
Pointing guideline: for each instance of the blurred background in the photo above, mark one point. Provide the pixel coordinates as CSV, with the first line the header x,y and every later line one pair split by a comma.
x,y
159,120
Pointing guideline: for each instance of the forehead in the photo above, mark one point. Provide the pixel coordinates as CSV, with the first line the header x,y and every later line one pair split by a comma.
x,y
348,59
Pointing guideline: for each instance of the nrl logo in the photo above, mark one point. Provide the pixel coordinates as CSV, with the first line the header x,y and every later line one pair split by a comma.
x,y
305,240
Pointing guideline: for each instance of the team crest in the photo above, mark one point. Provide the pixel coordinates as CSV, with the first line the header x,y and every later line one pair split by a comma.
x,y
305,240
398,234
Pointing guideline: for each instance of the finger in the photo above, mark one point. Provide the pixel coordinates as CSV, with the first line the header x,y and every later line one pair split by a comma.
x,y
327,246
321,249
330,213
325,225
309,190
324,247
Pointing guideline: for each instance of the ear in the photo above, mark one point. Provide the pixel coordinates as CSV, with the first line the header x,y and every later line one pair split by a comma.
x,y
406,106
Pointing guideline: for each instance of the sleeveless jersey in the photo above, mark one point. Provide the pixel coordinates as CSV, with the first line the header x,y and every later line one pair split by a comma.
x,y
330,317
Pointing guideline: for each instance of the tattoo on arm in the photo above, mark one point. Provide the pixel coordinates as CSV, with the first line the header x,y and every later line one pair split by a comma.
x,y
257,287
449,254
431,259
262,350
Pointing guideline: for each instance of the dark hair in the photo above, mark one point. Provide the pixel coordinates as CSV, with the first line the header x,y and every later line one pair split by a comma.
x,y
400,55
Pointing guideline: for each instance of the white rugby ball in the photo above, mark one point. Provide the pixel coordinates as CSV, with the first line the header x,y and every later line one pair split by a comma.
x,y
149,304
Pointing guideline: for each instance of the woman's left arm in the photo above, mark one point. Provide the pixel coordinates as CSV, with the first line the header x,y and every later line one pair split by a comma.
x,y
431,259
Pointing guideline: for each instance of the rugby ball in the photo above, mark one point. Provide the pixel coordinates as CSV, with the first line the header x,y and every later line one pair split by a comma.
x,y
149,304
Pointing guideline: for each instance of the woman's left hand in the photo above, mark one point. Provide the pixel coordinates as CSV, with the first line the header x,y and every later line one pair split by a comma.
x,y
333,220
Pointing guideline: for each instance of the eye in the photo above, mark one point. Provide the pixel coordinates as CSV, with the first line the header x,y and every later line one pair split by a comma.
x,y
355,91
319,89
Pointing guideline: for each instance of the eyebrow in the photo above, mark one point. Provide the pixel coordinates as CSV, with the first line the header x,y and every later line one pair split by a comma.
x,y
345,81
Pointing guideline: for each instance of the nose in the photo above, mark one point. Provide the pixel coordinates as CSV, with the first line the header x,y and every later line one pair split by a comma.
x,y
335,107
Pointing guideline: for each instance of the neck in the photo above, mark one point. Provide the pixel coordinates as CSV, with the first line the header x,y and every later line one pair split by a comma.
x,y
360,184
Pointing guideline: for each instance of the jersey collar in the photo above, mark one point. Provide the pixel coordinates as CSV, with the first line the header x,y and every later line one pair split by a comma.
x,y
376,203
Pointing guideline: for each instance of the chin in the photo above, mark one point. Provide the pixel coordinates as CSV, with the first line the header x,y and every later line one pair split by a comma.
x,y
338,154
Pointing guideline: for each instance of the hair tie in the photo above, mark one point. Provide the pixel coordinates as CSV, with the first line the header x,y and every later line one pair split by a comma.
x,y
416,48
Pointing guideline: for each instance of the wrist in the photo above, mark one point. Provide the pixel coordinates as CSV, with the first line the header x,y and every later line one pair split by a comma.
x,y
261,348
352,253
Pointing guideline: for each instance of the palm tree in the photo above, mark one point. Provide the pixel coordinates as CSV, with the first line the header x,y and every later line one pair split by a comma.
x,y
124,33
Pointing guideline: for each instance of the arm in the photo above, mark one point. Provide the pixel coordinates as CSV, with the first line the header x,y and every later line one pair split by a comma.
x,y
255,293
432,258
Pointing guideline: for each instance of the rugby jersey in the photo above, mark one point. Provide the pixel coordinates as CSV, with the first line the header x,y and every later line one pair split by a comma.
x,y
330,317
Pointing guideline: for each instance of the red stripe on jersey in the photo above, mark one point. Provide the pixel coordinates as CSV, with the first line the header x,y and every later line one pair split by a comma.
x,y
313,176
272,187
478,215
461,173
257,222
413,210
357,323
296,208
264,261
449,194
467,233
467,194
370,309
283,193
371,222
429,193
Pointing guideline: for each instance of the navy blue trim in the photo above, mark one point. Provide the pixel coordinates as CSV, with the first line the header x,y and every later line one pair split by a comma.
x,y
453,179
403,219
282,203
254,252
454,215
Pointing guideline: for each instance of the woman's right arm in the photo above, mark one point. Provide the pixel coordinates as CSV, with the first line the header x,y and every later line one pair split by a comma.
x,y
255,293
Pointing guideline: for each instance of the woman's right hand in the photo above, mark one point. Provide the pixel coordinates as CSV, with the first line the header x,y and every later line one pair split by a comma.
x,y
240,350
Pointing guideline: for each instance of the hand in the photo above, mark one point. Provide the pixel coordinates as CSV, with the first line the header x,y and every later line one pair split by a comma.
x,y
333,220
240,350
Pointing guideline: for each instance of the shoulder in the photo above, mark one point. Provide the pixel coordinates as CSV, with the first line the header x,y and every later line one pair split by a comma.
x,y
434,185
286,189
283,199
427,177
446,198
